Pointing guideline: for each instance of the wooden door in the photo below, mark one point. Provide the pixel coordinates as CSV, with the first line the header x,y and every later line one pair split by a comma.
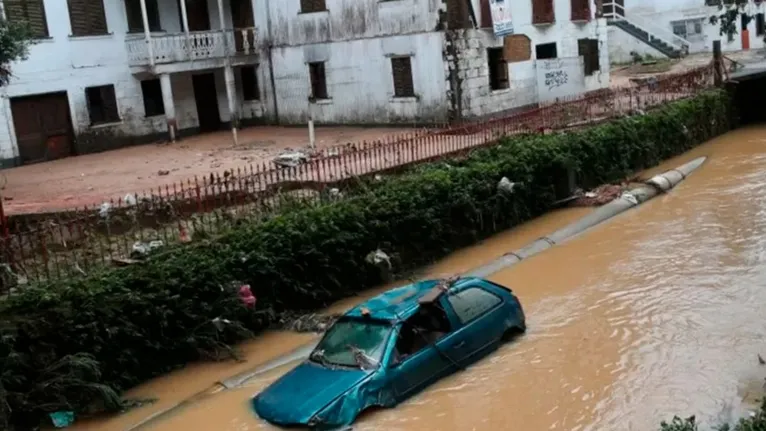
x,y
242,18
206,99
43,127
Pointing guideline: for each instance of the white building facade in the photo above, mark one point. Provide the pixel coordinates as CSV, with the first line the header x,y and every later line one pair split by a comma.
x,y
680,22
108,73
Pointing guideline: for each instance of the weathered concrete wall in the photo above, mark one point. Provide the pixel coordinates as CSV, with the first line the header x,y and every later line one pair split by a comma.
x,y
663,13
559,78
622,44
477,97
346,20
360,81
65,63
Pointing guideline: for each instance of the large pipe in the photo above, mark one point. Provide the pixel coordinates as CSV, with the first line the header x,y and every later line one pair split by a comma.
x,y
651,188
656,185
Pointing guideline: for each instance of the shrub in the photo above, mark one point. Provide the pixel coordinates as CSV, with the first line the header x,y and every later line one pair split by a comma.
x,y
65,345
756,422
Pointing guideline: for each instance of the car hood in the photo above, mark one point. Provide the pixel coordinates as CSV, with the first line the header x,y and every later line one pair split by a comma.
x,y
304,392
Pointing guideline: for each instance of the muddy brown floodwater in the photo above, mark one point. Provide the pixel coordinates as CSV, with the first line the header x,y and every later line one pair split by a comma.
x,y
654,313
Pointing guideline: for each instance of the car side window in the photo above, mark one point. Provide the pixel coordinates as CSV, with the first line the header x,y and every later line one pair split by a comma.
x,y
427,326
472,303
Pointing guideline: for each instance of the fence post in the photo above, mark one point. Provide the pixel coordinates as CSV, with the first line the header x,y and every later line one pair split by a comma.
x,y
717,63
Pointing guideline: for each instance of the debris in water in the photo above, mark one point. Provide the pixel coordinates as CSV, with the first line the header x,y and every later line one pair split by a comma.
x,y
378,258
599,196
246,296
219,323
305,323
142,248
62,419
506,185
760,360
628,196
163,172
129,199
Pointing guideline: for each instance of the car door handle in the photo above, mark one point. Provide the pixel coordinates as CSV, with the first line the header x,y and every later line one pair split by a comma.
x,y
459,345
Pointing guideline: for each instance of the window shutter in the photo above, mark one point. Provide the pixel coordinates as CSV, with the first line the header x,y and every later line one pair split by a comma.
x,y
97,19
401,68
30,11
87,17
580,10
111,113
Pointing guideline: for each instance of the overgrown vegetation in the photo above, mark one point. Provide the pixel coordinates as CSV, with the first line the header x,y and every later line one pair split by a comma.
x,y
15,40
76,344
756,422
728,15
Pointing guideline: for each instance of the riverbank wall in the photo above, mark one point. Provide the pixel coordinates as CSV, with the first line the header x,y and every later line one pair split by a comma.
x,y
74,345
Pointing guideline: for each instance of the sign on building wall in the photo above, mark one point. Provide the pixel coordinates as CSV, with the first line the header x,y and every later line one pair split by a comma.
x,y
559,77
501,17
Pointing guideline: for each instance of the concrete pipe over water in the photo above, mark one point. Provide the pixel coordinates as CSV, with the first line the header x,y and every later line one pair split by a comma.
x,y
651,188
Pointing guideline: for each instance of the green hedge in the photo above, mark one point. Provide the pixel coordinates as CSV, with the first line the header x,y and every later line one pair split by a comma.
x,y
65,345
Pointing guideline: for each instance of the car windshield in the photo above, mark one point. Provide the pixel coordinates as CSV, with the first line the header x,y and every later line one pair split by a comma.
x,y
353,343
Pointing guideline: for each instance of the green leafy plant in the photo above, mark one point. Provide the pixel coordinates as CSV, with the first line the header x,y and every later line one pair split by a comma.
x,y
755,422
181,305
15,40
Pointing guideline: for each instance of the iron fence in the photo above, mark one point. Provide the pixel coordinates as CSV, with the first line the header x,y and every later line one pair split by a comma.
x,y
82,239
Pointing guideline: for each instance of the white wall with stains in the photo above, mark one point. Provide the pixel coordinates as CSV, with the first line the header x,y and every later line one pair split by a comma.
x,y
478,99
346,20
662,13
360,81
62,63
355,39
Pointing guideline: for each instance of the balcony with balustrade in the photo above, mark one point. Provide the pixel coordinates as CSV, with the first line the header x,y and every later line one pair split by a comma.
x,y
192,42
194,50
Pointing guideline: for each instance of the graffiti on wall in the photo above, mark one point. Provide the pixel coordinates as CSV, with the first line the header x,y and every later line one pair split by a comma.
x,y
559,77
555,78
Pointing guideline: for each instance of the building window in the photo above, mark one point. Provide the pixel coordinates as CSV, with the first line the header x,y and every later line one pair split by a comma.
x,y
401,68
546,50
542,12
760,24
87,17
151,90
136,20
309,6
588,50
580,10
250,88
688,28
318,81
30,11
102,104
498,69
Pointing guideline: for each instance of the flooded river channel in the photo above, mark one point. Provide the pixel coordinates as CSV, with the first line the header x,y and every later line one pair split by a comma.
x,y
657,312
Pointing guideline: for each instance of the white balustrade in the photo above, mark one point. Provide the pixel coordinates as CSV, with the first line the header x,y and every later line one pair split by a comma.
x,y
198,45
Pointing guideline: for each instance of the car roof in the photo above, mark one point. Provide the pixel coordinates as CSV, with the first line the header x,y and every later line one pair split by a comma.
x,y
402,302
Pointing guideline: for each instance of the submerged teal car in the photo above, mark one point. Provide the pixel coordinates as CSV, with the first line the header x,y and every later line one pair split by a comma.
x,y
388,348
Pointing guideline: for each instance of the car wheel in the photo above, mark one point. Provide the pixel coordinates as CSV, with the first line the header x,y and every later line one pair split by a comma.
x,y
514,332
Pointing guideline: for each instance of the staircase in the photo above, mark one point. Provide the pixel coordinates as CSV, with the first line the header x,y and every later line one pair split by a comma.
x,y
660,39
